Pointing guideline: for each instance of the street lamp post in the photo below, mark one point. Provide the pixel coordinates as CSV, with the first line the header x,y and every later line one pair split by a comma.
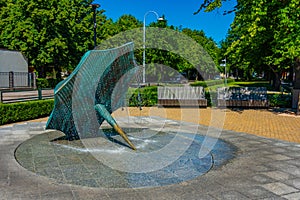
x,y
225,71
94,7
144,42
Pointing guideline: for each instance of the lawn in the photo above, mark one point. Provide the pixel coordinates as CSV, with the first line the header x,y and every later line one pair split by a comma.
x,y
232,83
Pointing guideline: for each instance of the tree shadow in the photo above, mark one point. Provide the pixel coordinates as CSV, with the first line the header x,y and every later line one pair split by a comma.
x,y
274,110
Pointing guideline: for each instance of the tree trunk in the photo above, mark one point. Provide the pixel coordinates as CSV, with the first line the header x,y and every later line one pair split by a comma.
x,y
276,76
297,73
58,73
41,72
296,90
276,81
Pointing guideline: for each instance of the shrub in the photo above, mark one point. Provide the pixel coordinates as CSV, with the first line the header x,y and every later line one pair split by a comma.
x,y
46,83
280,100
42,83
146,96
16,112
211,98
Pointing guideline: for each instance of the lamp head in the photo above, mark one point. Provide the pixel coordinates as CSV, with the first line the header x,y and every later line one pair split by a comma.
x,y
95,5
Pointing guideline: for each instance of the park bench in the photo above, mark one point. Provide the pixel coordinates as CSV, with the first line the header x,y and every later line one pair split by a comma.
x,y
245,97
181,96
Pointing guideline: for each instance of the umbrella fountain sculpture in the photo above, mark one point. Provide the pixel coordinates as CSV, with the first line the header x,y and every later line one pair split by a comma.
x,y
169,150
98,72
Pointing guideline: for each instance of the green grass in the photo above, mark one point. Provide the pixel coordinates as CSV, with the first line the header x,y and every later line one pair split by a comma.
x,y
241,84
253,84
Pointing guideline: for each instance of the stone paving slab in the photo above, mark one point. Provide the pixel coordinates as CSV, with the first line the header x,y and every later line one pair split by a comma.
x,y
262,169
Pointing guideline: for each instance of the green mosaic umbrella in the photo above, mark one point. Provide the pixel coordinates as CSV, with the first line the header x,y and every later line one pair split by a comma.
x,y
87,94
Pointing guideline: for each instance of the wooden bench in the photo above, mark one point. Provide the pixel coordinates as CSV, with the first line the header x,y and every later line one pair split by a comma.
x,y
181,96
253,97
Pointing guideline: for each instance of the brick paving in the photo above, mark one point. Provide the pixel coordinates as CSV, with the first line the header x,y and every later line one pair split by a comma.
x,y
261,122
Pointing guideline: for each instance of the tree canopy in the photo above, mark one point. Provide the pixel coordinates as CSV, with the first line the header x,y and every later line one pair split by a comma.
x,y
54,35
265,36
48,33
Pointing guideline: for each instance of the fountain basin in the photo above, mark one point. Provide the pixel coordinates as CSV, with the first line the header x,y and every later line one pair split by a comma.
x,y
109,163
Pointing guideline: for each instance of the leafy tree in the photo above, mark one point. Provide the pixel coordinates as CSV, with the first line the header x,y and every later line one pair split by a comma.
x,y
209,45
264,35
162,22
49,33
127,22
209,5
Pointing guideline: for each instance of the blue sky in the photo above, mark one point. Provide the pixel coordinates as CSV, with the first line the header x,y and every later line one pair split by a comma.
x,y
177,12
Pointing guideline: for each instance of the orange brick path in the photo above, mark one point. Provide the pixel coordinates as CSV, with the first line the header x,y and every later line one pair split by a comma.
x,y
259,122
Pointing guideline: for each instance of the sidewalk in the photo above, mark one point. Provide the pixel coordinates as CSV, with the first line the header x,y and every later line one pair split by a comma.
x,y
263,168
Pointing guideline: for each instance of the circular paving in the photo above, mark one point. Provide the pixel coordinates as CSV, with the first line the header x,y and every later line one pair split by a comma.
x,y
72,162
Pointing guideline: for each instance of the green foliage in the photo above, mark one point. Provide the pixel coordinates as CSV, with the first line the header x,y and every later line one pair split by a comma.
x,y
182,50
265,84
280,100
16,112
46,83
211,82
42,83
126,22
211,97
264,37
54,35
207,43
146,96
48,33
209,5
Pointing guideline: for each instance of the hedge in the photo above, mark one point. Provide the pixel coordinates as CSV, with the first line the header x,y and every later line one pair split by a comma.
x,y
148,97
280,100
16,112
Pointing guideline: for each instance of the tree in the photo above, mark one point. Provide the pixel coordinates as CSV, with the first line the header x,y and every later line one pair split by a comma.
x,y
209,5
127,22
264,35
209,45
49,33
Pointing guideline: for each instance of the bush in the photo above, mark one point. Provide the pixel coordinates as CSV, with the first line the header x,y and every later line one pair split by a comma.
x,y
147,97
46,83
211,97
16,112
280,100
42,83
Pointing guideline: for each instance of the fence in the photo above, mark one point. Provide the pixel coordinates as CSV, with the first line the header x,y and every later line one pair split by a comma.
x,y
19,96
11,80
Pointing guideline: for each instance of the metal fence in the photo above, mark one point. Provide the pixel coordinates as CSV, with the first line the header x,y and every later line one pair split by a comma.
x,y
11,80
28,95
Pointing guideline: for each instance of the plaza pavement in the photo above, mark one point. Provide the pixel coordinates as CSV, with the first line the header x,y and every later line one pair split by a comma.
x,y
266,166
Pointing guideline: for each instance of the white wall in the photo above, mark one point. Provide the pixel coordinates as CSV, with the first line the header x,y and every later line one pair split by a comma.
x,y
12,61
